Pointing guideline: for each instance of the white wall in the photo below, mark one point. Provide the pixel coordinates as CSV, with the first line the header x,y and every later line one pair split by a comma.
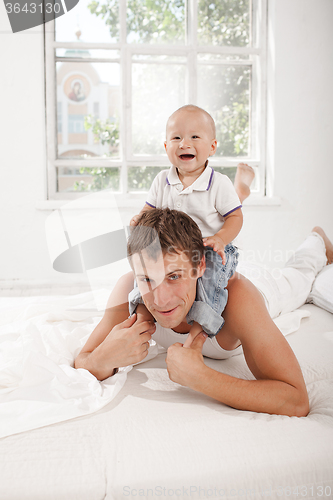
x,y
300,135
300,127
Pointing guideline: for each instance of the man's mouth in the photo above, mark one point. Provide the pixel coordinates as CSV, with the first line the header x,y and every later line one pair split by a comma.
x,y
166,313
186,157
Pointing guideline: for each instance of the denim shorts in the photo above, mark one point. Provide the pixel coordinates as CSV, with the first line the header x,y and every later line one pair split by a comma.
x,y
211,297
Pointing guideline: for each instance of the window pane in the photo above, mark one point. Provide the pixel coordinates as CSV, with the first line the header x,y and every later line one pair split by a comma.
x,y
224,91
71,180
141,178
88,96
222,58
88,54
157,90
224,22
229,171
160,21
90,21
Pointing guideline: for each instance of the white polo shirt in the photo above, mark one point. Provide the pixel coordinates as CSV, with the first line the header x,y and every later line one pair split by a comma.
x,y
211,197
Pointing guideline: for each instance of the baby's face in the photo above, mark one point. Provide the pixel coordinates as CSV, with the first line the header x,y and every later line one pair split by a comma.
x,y
190,140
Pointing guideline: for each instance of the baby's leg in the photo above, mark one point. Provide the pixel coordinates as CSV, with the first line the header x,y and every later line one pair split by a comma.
x,y
117,305
243,180
116,310
194,331
115,313
143,314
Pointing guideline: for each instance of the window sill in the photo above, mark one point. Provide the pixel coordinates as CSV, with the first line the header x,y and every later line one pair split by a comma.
x,y
257,201
136,200
132,200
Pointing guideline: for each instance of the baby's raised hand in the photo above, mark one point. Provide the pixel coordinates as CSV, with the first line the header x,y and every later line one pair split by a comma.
x,y
217,244
134,220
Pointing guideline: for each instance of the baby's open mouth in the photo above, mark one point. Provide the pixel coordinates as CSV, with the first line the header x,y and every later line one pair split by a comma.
x,y
186,157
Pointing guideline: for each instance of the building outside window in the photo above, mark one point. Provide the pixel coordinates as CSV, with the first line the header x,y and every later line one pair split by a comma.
x,y
115,71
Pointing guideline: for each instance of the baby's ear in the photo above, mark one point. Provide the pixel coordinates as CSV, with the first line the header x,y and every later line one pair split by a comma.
x,y
165,146
213,148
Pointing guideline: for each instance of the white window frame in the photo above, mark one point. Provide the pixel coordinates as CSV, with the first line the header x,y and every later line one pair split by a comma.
x,y
190,51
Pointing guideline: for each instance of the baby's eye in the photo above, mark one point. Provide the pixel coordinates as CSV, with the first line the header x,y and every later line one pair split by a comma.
x,y
177,138
195,137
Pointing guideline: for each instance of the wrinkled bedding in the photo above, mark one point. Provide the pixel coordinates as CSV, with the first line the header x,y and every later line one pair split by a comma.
x,y
141,435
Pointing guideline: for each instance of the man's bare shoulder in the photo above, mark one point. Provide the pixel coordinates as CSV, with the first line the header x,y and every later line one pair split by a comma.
x,y
246,308
240,285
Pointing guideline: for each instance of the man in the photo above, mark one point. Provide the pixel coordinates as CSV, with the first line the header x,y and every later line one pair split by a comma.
x,y
167,274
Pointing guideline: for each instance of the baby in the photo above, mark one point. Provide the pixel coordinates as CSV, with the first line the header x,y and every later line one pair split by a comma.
x,y
210,198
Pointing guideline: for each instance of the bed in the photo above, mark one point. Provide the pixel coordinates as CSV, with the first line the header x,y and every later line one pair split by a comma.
x,y
149,437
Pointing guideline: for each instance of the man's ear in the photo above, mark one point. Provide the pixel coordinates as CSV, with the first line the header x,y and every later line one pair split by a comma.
x,y
201,267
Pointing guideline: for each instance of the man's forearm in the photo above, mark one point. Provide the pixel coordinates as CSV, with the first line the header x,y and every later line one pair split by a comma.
x,y
89,361
261,396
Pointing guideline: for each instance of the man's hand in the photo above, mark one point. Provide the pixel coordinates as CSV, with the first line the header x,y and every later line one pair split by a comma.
x,y
217,244
126,344
185,363
130,341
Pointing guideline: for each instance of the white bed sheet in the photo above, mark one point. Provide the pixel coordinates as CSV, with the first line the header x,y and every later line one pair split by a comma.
x,y
156,439
39,339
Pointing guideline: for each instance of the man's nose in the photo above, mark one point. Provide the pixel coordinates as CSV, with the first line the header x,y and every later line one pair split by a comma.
x,y
161,295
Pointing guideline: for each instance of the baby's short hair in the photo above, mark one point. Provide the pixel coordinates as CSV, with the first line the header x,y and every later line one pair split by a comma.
x,y
193,107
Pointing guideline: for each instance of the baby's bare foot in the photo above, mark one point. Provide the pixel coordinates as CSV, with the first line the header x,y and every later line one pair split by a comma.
x,y
328,243
243,180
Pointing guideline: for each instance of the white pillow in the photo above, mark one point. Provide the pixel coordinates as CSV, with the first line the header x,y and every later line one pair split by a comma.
x,y
322,289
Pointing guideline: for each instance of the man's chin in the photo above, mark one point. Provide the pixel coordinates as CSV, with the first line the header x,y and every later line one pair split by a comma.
x,y
167,323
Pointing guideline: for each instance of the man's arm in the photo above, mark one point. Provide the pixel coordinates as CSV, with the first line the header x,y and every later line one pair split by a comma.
x,y
117,340
126,344
279,387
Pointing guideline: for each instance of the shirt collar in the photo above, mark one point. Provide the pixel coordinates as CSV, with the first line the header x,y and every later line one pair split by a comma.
x,y
172,177
202,183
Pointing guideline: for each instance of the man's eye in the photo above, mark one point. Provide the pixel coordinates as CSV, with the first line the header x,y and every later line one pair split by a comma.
x,y
145,280
174,277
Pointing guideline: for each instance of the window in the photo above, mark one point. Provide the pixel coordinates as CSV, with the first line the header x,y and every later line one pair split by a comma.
x,y
115,71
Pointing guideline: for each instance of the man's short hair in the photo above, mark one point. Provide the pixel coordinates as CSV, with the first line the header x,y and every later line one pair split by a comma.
x,y
169,231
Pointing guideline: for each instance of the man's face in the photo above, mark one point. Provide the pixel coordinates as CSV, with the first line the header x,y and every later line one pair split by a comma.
x,y
190,140
167,285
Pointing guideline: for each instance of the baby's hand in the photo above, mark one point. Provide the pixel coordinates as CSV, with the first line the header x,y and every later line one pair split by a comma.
x,y
217,244
134,220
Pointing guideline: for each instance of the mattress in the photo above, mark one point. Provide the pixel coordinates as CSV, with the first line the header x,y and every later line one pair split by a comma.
x,y
157,439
